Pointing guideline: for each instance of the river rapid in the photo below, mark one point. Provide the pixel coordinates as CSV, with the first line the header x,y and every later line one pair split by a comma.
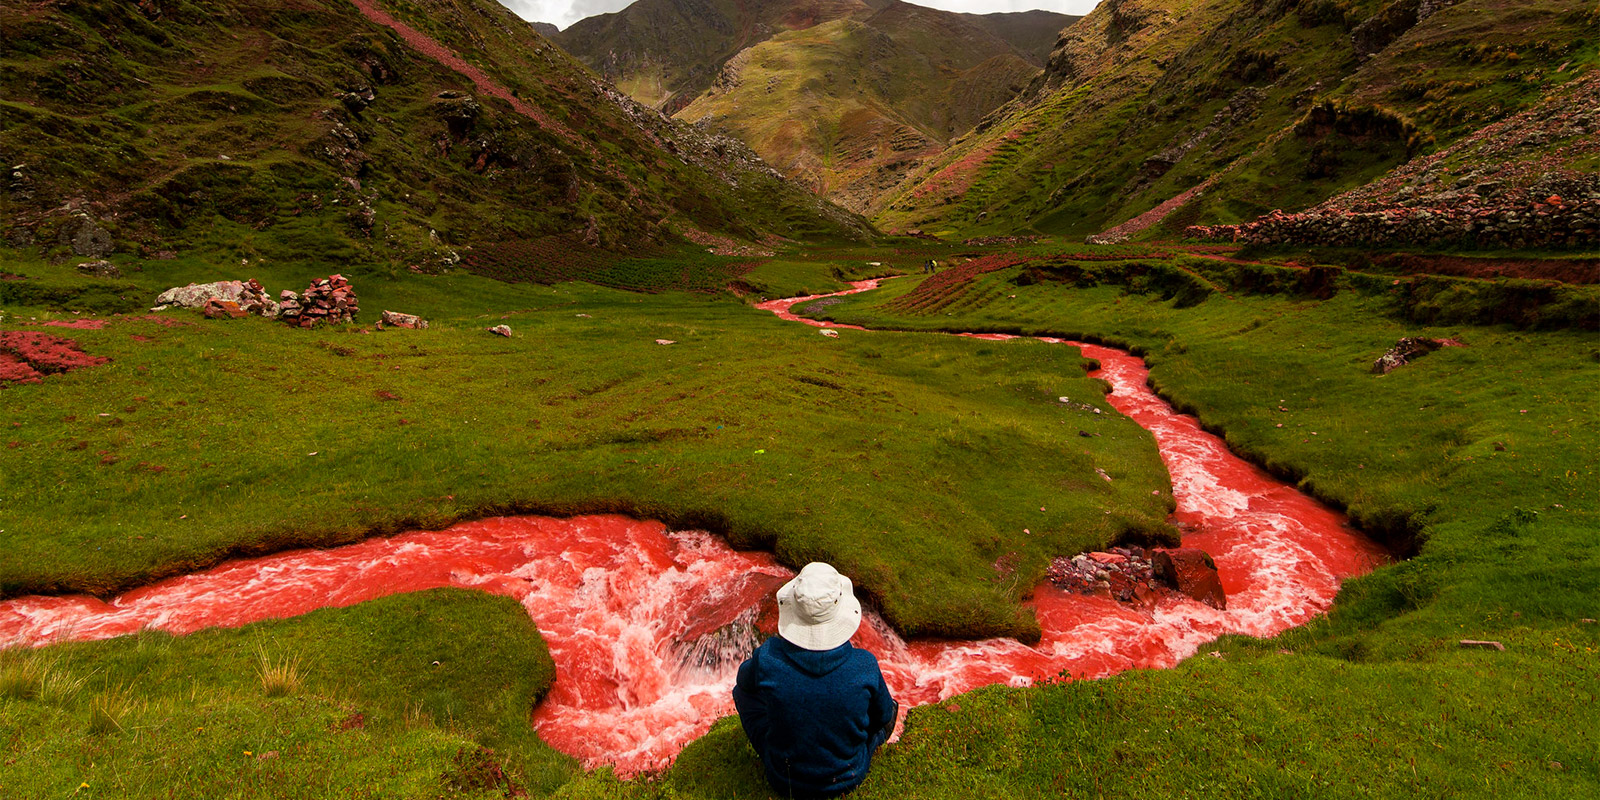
x,y
647,626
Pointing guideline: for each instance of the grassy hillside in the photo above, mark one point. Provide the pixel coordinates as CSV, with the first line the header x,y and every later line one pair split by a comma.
x,y
664,53
852,107
390,135
1148,99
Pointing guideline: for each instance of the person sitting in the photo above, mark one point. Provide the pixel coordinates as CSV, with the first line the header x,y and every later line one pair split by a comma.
x,y
815,708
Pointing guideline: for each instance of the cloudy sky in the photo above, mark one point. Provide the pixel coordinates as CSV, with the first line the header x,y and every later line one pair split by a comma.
x,y
566,12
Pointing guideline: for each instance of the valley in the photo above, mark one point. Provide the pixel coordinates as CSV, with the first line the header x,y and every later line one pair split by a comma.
x,y
510,369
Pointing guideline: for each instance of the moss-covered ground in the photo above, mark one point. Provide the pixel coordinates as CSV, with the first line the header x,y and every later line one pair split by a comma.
x,y
909,452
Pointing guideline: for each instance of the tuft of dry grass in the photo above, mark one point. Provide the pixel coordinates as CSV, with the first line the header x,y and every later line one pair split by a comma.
x,y
281,675
109,708
21,674
59,688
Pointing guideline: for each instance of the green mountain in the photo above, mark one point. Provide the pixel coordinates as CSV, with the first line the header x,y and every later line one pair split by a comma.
x,y
1154,115
406,133
852,105
664,53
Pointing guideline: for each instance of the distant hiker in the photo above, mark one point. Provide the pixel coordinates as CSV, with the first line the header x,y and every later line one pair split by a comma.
x,y
930,267
814,707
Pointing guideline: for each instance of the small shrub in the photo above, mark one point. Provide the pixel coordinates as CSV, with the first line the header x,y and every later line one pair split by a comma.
x,y
1360,122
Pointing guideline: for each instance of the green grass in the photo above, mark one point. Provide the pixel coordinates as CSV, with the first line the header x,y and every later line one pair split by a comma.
x,y
797,274
908,461
926,442
407,696
1375,700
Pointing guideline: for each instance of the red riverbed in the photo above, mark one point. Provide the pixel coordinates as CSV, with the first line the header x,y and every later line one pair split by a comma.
x,y
648,625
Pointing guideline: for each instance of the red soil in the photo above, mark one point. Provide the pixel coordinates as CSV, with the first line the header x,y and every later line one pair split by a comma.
x,y
1139,224
487,85
1566,270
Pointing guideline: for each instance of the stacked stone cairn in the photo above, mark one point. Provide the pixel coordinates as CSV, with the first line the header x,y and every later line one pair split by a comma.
x,y
327,300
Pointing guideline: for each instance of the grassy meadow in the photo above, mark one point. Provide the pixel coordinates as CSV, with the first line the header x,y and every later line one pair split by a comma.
x,y
405,696
912,460
909,461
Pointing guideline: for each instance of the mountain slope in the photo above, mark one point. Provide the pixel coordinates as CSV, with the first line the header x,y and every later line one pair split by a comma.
x,y
851,107
396,133
1226,109
664,53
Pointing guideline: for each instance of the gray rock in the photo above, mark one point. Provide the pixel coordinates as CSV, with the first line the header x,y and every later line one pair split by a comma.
x,y
86,236
395,319
501,330
195,295
100,269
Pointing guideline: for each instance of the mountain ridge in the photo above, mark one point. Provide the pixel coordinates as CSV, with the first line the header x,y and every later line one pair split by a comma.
x,y
844,97
664,53
1208,105
402,132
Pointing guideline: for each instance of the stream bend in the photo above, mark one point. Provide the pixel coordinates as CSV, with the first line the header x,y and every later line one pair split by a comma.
x,y
647,625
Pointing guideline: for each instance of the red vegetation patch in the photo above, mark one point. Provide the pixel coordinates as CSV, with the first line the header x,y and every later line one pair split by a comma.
x,y
25,356
935,292
15,370
1139,224
957,177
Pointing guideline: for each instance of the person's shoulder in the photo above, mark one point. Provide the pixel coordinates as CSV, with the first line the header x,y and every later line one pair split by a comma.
x,y
860,656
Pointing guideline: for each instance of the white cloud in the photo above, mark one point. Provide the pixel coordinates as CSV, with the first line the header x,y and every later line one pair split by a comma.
x,y
566,12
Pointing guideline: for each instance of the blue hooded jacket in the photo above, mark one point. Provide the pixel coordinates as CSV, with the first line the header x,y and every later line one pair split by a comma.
x,y
814,716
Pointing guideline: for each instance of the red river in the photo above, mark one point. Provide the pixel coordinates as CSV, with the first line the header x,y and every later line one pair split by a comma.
x,y
647,625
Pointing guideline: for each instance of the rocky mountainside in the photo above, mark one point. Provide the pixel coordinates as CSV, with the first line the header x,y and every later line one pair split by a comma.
x,y
381,132
852,106
1155,115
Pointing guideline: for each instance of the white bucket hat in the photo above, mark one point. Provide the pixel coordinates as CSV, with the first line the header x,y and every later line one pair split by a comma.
x,y
818,610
